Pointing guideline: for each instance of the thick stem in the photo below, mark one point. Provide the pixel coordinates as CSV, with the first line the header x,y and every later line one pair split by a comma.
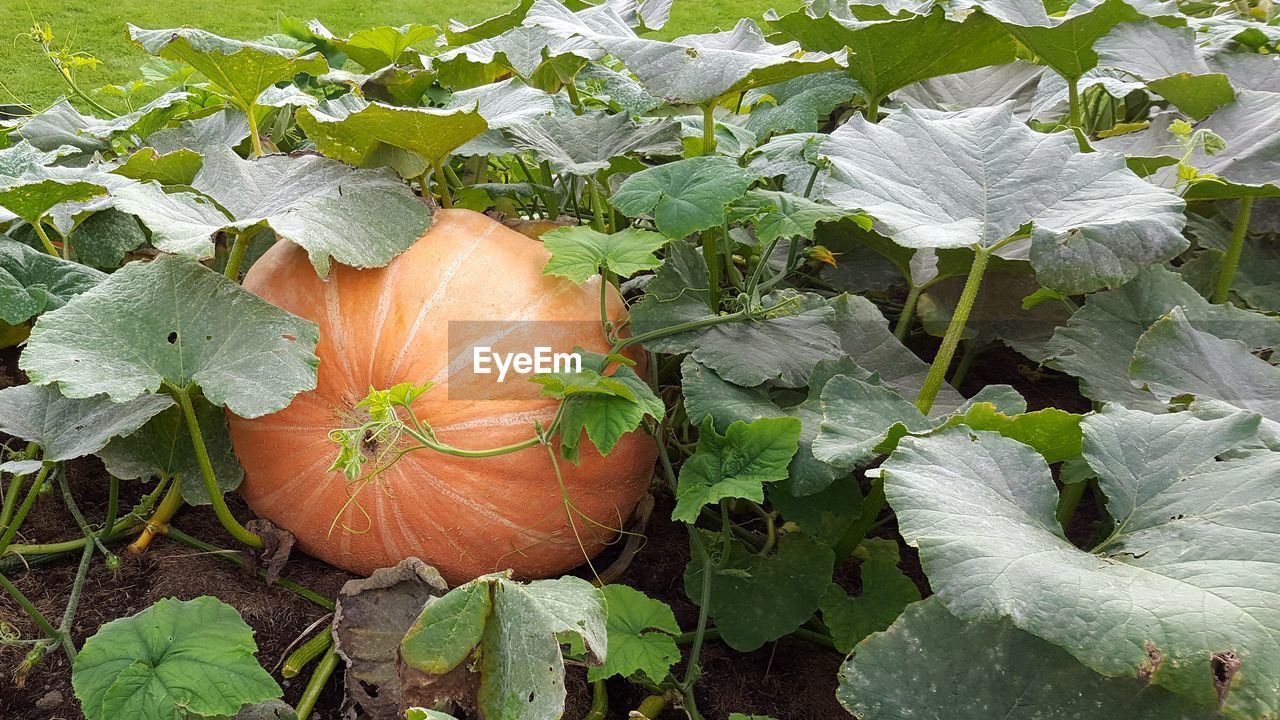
x,y
158,523
308,651
25,507
113,506
711,254
597,206
1073,103
1222,287
704,603
677,329
56,548
236,257
183,396
553,202
651,707
599,702
73,601
872,111
49,247
908,313
254,139
12,491
955,329
442,187
872,504
574,99
328,663
1068,501
708,129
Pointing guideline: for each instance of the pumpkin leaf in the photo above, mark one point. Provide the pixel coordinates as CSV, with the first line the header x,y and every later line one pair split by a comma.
x,y
175,658
889,54
691,69
581,252
584,144
707,395
173,168
69,428
886,592
362,218
32,282
378,47
173,321
1173,358
756,599
736,464
516,628
163,446
685,196
371,134
62,125
372,618
1098,342
796,105
1003,670
1167,59
1094,223
606,417
786,215
979,506
33,195
241,69
641,634
105,237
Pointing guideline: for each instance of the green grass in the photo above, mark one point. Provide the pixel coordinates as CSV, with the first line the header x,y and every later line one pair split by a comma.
x,y
97,27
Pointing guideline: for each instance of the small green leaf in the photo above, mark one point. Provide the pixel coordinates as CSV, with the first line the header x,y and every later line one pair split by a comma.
x,y
736,464
786,215
606,417
449,629
105,237
641,636
685,196
173,321
756,599
580,252
173,659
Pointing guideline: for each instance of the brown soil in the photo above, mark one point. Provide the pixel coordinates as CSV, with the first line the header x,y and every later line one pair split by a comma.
x,y
787,680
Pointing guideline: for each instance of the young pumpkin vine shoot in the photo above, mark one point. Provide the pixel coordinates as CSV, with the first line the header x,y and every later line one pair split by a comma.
x,y
938,339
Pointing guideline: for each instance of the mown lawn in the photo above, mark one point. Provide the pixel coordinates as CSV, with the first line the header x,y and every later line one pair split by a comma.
x,y
97,27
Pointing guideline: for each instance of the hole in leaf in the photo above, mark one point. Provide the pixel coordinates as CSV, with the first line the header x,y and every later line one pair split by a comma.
x,y
290,338
1225,665
208,337
173,338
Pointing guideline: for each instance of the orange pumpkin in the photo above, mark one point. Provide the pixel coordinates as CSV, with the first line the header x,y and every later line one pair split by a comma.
x,y
380,327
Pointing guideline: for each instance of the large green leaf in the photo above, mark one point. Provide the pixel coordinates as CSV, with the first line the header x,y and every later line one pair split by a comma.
x,y
1174,358
992,85
691,68
798,104
371,134
1098,341
242,69
684,196
1167,59
757,599
171,661
979,175
33,195
105,237
974,671
172,321
736,464
584,144
63,125
886,55
521,666
67,428
32,282
362,218
1180,593
641,635
1064,40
